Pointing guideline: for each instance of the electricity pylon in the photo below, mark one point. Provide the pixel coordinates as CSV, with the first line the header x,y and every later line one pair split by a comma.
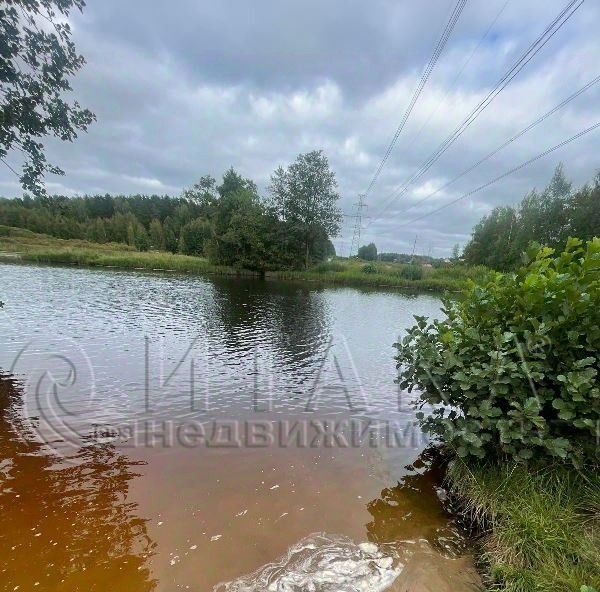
x,y
358,217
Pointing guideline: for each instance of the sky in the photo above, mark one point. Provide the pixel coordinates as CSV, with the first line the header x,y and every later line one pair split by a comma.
x,y
189,88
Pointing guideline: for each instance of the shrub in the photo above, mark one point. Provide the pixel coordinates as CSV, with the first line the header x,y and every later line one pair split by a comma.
x,y
411,272
369,268
513,368
327,266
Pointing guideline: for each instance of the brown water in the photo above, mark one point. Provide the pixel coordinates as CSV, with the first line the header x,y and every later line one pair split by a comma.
x,y
163,432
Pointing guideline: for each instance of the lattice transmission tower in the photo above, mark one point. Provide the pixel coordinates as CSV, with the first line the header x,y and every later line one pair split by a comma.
x,y
358,218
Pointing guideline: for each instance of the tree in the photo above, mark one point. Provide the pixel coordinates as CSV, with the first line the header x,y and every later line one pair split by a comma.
x,y
37,58
456,252
305,196
559,185
548,217
97,231
233,183
193,236
368,252
202,194
156,235
137,236
254,239
170,234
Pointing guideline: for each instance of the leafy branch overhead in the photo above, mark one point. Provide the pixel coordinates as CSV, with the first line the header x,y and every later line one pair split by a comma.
x,y
37,59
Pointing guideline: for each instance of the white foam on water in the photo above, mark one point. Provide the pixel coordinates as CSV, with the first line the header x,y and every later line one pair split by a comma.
x,y
322,563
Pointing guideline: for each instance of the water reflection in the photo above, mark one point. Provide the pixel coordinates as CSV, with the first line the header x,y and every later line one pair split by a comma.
x,y
291,321
158,339
66,527
412,510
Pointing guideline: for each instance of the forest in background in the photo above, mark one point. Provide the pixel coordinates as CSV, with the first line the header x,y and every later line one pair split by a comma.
x,y
231,224
228,223
548,217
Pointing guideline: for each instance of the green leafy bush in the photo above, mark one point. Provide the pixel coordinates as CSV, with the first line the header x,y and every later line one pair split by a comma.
x,y
411,272
513,369
369,268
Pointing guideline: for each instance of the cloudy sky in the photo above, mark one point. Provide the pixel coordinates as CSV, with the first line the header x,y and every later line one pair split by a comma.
x,y
186,88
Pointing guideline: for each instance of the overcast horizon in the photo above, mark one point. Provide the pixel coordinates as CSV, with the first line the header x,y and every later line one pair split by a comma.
x,y
183,93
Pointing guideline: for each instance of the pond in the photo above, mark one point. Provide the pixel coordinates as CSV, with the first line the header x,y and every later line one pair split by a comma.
x,y
168,432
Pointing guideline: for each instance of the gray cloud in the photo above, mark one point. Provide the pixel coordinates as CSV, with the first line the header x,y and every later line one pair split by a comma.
x,y
185,90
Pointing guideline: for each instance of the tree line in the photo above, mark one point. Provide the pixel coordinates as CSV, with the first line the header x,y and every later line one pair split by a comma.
x,y
229,223
548,217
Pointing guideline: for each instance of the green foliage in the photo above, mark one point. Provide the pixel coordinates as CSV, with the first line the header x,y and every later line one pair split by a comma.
x,y
305,197
349,271
194,236
329,266
170,233
40,247
203,194
477,273
369,268
244,232
411,272
548,218
251,240
137,236
456,252
228,222
124,259
36,63
156,234
96,231
368,252
513,369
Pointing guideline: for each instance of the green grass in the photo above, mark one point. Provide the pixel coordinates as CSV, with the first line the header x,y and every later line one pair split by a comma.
x,y
360,273
156,261
42,248
351,277
541,528
22,240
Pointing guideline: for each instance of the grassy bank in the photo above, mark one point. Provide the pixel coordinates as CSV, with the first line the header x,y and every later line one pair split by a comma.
x,y
354,272
541,528
41,248
30,246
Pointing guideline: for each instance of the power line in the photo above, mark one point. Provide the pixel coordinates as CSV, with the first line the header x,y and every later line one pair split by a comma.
x,y
505,144
533,49
424,77
462,69
558,22
9,167
506,174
